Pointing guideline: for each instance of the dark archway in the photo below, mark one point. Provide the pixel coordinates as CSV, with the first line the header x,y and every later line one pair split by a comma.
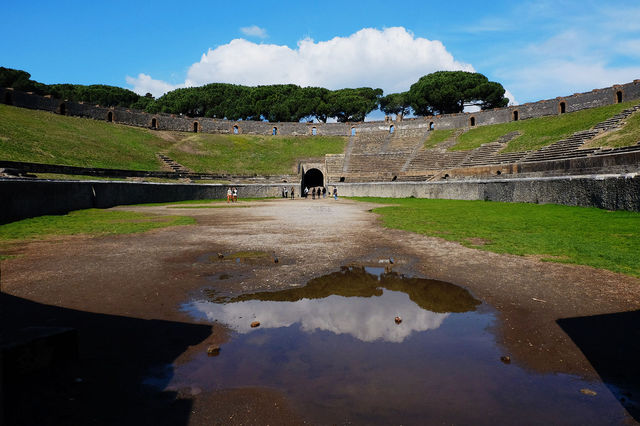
x,y
515,115
274,131
154,123
63,109
619,96
312,178
7,98
195,127
472,121
432,126
110,117
236,130
562,107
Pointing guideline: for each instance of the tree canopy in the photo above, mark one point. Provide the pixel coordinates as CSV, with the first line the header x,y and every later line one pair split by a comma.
x,y
446,92
278,102
98,93
442,92
396,103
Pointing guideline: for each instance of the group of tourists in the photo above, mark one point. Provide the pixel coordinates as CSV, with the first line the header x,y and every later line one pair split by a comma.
x,y
316,192
285,192
319,192
232,194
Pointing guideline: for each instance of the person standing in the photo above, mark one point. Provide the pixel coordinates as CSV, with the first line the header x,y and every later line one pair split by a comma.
x,y
229,194
313,193
335,192
324,192
306,192
235,194
286,193
292,192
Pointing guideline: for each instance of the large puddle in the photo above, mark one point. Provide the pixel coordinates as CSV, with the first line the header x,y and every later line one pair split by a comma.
x,y
335,348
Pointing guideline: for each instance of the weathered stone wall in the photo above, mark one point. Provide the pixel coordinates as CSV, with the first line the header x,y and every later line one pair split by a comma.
x,y
29,198
612,192
575,102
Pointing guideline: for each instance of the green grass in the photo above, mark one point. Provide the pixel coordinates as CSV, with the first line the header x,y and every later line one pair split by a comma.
x,y
437,136
92,222
251,154
44,137
578,235
626,136
538,132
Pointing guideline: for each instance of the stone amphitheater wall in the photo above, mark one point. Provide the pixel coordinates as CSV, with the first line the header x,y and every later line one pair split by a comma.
x,y
611,192
575,102
29,198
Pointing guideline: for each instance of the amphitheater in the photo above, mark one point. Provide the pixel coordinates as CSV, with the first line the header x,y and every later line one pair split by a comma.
x,y
387,158
556,342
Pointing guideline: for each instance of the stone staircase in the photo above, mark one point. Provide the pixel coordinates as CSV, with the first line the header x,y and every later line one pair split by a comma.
x,y
565,148
570,147
171,164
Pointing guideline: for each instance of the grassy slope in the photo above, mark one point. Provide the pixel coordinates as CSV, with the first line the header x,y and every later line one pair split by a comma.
x,y
538,132
437,136
43,137
587,236
627,135
249,154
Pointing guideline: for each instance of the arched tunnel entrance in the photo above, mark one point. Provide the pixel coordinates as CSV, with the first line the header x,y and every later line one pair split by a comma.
x,y
310,179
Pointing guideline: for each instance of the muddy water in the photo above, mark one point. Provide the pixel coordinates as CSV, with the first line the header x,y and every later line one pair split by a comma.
x,y
335,349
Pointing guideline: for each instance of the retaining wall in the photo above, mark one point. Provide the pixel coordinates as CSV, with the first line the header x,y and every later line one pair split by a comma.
x,y
611,192
22,198
575,102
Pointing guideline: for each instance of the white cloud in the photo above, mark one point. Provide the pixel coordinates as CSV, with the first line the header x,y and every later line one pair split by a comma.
x,y
254,31
366,319
143,84
392,59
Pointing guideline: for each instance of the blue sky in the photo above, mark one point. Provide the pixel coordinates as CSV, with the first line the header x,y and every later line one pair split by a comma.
x,y
536,49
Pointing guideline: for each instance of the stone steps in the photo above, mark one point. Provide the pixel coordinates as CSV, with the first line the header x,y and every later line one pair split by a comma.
x,y
171,164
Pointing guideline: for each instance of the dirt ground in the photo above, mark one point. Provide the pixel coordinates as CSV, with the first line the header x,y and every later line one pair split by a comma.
x,y
122,294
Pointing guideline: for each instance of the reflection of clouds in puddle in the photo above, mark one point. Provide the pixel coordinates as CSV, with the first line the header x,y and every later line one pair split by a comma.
x,y
367,319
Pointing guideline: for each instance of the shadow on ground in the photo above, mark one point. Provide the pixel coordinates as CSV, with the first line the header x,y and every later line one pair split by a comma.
x,y
103,384
611,343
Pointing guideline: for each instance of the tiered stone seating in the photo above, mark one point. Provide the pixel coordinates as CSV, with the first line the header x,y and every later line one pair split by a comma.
x,y
375,163
369,142
609,151
334,163
616,120
436,159
381,156
404,144
483,155
565,148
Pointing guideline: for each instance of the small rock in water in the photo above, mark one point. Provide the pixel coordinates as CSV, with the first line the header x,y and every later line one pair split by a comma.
x,y
255,324
213,350
398,320
506,359
588,392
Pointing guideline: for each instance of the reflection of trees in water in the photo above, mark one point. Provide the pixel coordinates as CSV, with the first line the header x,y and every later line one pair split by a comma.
x,y
432,295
